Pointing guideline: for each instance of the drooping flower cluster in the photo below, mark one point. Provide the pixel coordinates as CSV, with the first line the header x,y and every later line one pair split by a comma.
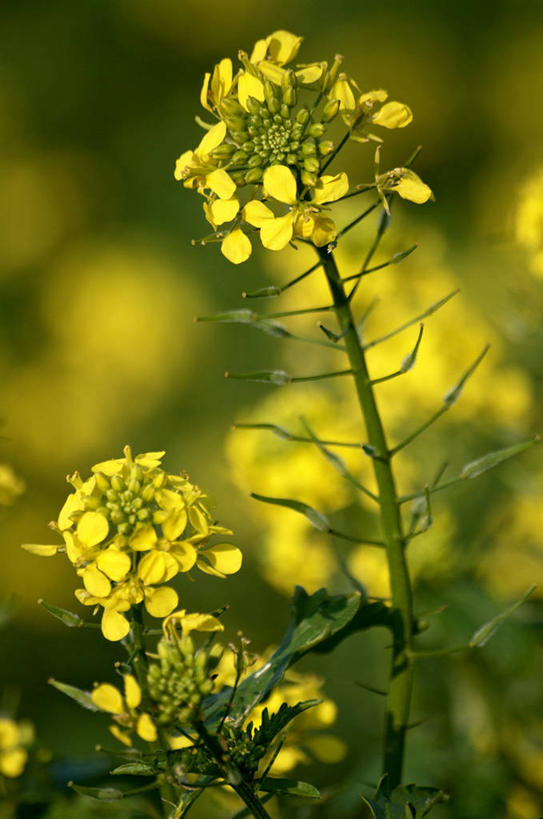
x,y
272,142
129,529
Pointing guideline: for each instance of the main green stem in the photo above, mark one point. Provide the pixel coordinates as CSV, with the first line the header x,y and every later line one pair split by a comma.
x,y
401,672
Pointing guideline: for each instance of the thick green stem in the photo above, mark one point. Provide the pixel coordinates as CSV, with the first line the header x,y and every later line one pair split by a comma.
x,y
139,664
401,673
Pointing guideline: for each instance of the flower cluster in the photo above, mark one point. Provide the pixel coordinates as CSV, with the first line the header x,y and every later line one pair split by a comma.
x,y
15,738
125,710
129,529
272,138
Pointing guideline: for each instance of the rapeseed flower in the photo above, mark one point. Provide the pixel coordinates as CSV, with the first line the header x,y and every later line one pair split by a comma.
x,y
15,737
271,145
131,528
125,710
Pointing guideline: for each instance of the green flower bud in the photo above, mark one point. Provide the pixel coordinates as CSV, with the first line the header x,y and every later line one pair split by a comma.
x,y
240,157
117,483
289,80
238,177
223,151
252,131
290,97
253,106
326,147
302,116
316,130
291,159
309,179
239,136
255,161
330,110
311,164
101,482
230,107
284,111
253,176
235,123
309,148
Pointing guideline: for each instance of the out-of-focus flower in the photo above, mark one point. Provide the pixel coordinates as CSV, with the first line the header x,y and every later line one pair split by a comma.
x,y
15,738
529,220
130,528
11,486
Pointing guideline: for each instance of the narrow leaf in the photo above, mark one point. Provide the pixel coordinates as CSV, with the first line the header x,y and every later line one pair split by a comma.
x,y
409,361
69,618
279,377
83,698
453,394
103,794
483,634
492,459
317,520
289,787
249,318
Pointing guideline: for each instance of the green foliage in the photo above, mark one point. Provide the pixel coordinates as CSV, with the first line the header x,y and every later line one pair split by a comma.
x,y
82,698
405,802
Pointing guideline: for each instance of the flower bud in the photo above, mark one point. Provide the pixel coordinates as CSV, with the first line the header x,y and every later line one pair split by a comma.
x,y
230,107
302,116
253,176
316,130
289,97
309,179
253,106
326,147
309,148
330,110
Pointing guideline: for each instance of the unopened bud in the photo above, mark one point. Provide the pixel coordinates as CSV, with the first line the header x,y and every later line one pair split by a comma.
x,y
289,97
309,179
231,108
253,176
302,116
223,151
331,75
316,130
311,164
309,148
253,106
330,110
326,147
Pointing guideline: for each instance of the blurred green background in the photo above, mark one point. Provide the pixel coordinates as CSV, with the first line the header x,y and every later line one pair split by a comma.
x,y
99,286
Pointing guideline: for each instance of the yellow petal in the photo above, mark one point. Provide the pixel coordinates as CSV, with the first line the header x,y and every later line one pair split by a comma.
x,y
279,182
342,91
372,97
143,538
393,115
223,210
92,528
185,555
108,698
273,73
87,599
73,503
160,602
95,582
132,691
221,81
203,92
221,183
198,520
249,86
310,73
12,762
122,736
283,46
157,567
331,188
114,466
275,234
168,499
326,748
74,549
304,225
257,213
412,187
200,622
178,742
324,230
114,564
114,625
236,247
212,139
146,728
9,732
43,550
149,460
175,524
224,557
260,49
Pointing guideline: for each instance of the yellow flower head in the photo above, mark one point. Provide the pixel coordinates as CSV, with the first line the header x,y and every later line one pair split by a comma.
x,y
15,737
130,528
271,145
125,710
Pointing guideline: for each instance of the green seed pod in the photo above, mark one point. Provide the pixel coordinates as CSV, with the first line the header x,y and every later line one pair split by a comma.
x,y
302,116
309,148
316,130
330,110
230,107
255,161
253,176
326,147
309,179
253,106
311,164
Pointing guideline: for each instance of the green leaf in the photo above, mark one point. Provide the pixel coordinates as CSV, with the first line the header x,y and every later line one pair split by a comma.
x,y
83,698
69,618
319,521
452,396
492,459
485,632
134,769
274,724
315,618
277,377
289,787
103,794
405,802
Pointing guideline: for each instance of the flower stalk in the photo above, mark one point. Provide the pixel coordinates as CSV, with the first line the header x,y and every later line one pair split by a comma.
x,y
401,671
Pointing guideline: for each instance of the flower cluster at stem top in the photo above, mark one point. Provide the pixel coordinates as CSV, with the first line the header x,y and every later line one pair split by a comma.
x,y
271,142
129,529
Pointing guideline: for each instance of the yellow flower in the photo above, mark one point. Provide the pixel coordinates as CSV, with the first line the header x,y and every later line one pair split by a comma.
x,y
129,529
369,109
216,86
529,220
14,737
406,183
124,710
197,169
